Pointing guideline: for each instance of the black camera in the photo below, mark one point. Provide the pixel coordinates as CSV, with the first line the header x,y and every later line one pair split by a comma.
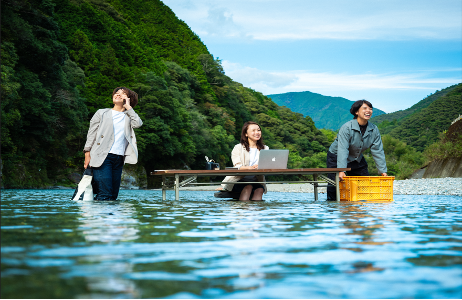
x,y
212,166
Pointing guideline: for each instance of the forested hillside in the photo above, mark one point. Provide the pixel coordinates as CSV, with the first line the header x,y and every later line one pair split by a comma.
x,y
419,137
61,60
422,128
401,114
326,112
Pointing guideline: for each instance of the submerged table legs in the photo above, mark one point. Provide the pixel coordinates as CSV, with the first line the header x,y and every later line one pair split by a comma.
x,y
177,187
164,188
315,186
337,186
315,182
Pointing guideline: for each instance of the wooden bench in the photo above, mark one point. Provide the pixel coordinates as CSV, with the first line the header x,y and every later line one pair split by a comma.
x,y
318,178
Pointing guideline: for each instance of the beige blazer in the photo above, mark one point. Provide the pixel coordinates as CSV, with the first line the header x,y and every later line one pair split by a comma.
x,y
100,136
240,157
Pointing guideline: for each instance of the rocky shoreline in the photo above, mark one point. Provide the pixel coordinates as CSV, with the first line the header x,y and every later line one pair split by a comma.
x,y
426,186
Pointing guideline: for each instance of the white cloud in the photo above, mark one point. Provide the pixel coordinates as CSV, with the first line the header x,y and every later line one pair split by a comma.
x,y
272,80
391,91
334,19
221,22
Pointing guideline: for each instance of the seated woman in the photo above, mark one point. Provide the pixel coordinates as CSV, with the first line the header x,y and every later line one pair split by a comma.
x,y
353,138
245,156
111,142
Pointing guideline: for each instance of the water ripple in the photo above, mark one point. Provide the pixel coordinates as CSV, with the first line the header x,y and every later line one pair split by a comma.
x,y
288,246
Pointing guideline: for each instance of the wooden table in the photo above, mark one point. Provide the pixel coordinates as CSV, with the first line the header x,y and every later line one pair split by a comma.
x,y
193,174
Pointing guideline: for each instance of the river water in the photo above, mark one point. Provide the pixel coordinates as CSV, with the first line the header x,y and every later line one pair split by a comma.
x,y
288,246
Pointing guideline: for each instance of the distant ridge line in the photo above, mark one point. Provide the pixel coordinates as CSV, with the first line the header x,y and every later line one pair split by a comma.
x,y
329,112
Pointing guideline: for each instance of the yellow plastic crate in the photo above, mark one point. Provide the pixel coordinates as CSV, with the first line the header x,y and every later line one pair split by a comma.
x,y
356,188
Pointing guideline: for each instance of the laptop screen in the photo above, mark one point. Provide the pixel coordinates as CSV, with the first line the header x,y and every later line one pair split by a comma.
x,y
273,159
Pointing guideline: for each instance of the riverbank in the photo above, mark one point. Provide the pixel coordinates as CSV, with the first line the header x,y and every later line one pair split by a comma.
x,y
426,186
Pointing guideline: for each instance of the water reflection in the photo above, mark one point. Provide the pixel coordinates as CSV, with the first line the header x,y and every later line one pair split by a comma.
x,y
360,221
364,221
107,223
247,223
143,247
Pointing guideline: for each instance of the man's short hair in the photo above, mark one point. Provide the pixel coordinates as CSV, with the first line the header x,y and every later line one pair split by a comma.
x,y
130,94
357,105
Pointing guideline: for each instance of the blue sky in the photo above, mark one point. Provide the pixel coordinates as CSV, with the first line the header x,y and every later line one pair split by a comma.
x,y
392,53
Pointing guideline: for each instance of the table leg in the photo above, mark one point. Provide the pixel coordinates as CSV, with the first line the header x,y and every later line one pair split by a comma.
x,y
315,186
177,187
164,188
337,185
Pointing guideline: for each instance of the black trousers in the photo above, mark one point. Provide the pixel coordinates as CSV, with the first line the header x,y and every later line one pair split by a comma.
x,y
357,169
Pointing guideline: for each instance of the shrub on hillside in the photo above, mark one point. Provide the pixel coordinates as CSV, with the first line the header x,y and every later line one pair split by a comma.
x,y
449,144
402,159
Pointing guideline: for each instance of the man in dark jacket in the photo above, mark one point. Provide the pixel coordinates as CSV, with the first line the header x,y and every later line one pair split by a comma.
x,y
355,137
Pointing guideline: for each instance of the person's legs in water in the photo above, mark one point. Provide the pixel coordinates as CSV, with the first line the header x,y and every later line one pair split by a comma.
x,y
258,194
357,169
331,162
117,175
102,177
245,194
254,191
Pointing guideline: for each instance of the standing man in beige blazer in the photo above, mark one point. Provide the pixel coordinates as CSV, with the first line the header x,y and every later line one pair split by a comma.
x,y
111,142
245,156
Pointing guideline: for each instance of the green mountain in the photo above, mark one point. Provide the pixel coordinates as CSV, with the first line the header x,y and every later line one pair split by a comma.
x,y
326,112
61,59
422,128
400,114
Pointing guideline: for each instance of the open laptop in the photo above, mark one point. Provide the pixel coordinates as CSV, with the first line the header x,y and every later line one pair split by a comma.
x,y
273,159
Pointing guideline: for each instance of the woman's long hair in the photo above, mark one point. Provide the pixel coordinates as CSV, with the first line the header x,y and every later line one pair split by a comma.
x,y
245,140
